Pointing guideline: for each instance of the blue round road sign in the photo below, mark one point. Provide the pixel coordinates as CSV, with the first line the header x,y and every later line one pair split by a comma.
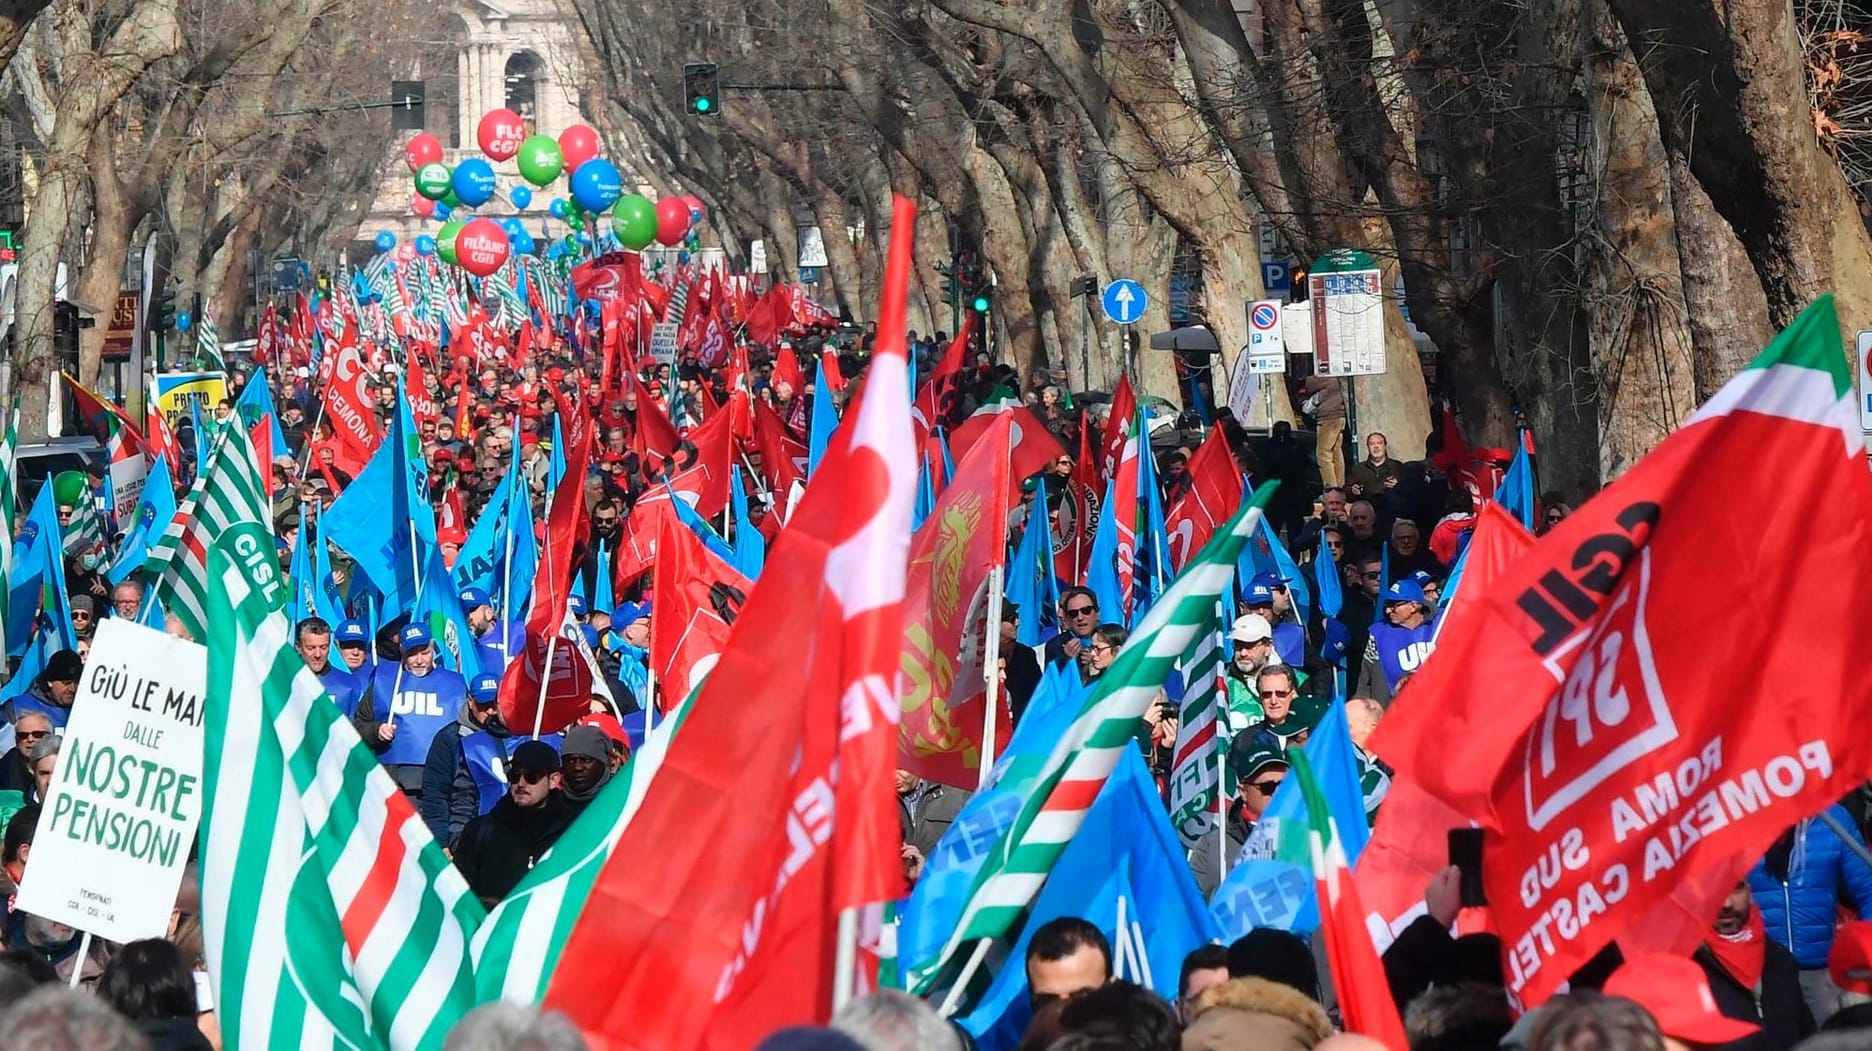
x,y
1125,301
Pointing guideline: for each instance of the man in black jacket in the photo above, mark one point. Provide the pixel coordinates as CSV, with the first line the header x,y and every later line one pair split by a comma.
x,y
498,848
1752,977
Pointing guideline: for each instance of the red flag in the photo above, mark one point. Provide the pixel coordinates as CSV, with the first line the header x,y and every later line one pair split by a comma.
x,y
261,434
779,452
1586,709
549,629
1078,518
654,438
1215,492
1033,445
416,388
834,378
162,440
939,400
698,471
787,369
348,407
1117,426
452,524
713,923
770,314
105,418
698,598
947,616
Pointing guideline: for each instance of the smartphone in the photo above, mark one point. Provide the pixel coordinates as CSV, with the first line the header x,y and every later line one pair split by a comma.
x,y
1465,852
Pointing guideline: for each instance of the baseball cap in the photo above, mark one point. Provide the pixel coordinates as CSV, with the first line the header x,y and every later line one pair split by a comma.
x,y
1251,628
1333,646
1850,962
1677,993
1247,759
414,637
576,604
1422,578
1257,593
630,612
474,598
1405,590
484,687
352,632
534,757
1267,580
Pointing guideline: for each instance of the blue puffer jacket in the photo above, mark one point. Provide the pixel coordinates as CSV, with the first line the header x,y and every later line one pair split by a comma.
x,y
1799,913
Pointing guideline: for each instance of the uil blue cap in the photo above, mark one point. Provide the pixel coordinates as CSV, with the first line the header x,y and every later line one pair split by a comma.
x,y
485,687
1422,577
474,598
1405,590
1333,647
576,604
353,631
414,637
1257,594
629,613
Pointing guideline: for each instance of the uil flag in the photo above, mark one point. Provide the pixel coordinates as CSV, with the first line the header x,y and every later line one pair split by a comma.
x,y
678,949
1584,702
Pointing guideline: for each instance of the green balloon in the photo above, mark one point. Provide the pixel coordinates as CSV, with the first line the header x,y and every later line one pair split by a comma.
x,y
433,181
540,160
69,487
634,219
445,239
450,199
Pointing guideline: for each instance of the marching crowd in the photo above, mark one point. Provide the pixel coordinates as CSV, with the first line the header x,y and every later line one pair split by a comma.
x,y
1775,967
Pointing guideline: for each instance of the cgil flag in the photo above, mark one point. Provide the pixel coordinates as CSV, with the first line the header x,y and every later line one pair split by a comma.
x,y
330,916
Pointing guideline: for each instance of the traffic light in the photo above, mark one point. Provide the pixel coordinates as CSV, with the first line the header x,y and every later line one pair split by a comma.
x,y
951,294
702,83
163,311
407,105
982,301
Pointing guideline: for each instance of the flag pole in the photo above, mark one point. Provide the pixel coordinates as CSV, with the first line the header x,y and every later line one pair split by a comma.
x,y
539,710
991,663
954,999
84,953
845,962
1221,718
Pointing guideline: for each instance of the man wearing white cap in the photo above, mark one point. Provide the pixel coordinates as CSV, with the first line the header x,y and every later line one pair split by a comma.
x,y
1253,639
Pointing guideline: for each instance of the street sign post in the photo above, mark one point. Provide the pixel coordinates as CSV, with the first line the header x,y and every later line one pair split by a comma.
x,y
1125,301
1267,353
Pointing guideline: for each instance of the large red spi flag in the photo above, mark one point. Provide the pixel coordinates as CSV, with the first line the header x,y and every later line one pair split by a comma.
x,y
714,922
1215,491
1629,743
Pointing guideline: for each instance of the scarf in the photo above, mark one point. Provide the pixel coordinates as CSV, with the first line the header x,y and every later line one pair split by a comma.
x,y
1742,954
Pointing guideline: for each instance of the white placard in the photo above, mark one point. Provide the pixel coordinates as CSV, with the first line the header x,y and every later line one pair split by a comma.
x,y
1244,390
663,341
1348,323
811,247
120,814
1297,327
757,257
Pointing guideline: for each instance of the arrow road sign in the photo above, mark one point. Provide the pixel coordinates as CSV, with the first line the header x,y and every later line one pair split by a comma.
x,y
1125,301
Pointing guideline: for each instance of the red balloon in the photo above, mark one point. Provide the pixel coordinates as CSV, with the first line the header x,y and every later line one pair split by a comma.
x,y
672,220
481,247
422,206
579,143
500,133
697,210
422,148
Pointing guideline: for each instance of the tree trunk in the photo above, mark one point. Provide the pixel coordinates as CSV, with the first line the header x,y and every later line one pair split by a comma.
x,y
16,17
1728,311
113,227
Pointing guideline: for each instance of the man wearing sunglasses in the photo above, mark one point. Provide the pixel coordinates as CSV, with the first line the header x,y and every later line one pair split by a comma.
x,y
16,767
497,849
1079,616
1258,771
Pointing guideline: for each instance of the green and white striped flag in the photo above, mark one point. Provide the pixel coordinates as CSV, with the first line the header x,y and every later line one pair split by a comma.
x,y
227,493
208,346
9,507
517,949
1107,723
331,917
1194,777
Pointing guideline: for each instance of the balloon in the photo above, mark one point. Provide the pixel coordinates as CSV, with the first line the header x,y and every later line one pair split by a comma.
x,y
522,242
635,220
385,241
559,208
425,245
539,160
445,239
69,487
183,321
682,257
482,246
422,149
696,208
421,205
596,184
672,220
451,198
405,252
579,143
473,182
432,180
500,133
440,211
521,196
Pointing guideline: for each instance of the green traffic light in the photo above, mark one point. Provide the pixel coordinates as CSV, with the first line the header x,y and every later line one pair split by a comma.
x,y
702,104
981,304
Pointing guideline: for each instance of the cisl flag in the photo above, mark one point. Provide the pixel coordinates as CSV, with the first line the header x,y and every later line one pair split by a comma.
x,y
1628,741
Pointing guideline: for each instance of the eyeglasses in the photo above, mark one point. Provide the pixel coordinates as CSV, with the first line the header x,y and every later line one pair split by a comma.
x,y
32,735
531,777
1082,611
1370,576
1266,788
79,614
606,521
1276,695
1102,648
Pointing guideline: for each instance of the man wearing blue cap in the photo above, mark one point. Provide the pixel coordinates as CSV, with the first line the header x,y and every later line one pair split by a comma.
x,y
1400,643
353,640
466,772
313,639
406,705
1267,595
630,640
496,640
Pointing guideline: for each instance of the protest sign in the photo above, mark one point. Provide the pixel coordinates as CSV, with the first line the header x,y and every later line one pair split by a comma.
x,y
120,813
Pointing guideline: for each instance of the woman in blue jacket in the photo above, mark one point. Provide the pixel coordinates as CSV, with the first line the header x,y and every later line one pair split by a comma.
x,y
1798,886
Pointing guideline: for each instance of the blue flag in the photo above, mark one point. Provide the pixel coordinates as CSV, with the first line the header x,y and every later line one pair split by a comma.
x,y
750,548
304,573
501,554
935,905
438,608
154,509
256,402
824,421
1102,564
1272,886
1266,554
556,464
601,597
1331,596
698,525
326,601
383,519
37,602
1516,491
925,495
1124,871
1030,582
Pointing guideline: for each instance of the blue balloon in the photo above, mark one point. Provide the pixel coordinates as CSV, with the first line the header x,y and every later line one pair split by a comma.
x,y
183,320
512,226
474,182
558,208
385,241
425,244
521,196
597,185
522,242
442,212
682,257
